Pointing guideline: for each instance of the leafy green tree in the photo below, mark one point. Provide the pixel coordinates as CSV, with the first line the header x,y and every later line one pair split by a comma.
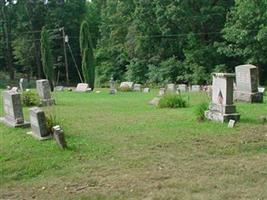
x,y
46,57
245,35
86,47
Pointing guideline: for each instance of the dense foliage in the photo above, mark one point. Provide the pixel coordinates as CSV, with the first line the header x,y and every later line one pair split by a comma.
x,y
153,41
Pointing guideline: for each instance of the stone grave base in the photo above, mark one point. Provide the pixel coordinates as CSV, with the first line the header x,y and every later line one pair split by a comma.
x,y
221,117
48,102
13,124
38,137
227,109
249,97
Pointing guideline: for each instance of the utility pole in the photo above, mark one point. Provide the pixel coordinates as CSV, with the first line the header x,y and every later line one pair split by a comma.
x,y
65,55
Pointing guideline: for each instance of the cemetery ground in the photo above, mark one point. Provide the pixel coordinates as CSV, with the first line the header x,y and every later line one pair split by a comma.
x,y
122,148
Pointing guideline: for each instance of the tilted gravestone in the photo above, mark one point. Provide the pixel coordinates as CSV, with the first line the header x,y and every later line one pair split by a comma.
x,y
13,110
83,87
171,88
182,87
59,137
38,124
195,88
22,84
222,107
137,87
44,92
247,82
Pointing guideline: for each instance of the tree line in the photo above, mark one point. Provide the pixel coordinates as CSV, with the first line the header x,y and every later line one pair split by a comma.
x,y
145,41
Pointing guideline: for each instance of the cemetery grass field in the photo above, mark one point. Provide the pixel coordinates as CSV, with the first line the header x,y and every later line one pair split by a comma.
x,y
122,148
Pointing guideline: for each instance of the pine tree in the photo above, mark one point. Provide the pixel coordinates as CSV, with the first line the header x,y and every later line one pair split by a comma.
x,y
86,48
46,57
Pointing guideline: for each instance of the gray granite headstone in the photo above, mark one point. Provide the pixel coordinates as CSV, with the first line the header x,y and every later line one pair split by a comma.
x,y
13,110
44,92
222,107
247,82
137,88
38,124
171,88
231,123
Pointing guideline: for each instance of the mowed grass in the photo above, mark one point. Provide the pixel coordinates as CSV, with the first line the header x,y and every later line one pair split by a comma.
x,y
122,148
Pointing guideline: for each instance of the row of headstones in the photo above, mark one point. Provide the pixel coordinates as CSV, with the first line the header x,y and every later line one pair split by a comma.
x,y
222,106
14,117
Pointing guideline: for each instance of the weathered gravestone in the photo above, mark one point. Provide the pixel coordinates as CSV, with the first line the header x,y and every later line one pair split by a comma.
x,y
182,87
195,88
247,83
126,86
112,88
171,88
83,87
44,92
22,84
146,90
162,92
231,123
13,110
222,107
59,88
137,88
38,124
59,137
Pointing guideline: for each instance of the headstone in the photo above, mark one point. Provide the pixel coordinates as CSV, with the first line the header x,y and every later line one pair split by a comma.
x,y
171,88
137,87
231,123
195,88
15,89
261,90
13,110
182,87
44,92
146,90
222,107
38,124
112,88
83,87
247,82
59,137
162,92
22,84
126,86
155,101
59,88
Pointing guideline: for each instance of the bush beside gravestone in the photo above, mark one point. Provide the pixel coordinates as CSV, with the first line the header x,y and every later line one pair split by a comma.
x,y
172,101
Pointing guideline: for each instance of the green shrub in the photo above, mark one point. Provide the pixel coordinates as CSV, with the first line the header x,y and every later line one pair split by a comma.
x,y
30,98
51,121
200,111
172,101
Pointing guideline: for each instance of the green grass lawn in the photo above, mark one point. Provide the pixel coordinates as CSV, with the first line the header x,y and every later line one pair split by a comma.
x,y
122,148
